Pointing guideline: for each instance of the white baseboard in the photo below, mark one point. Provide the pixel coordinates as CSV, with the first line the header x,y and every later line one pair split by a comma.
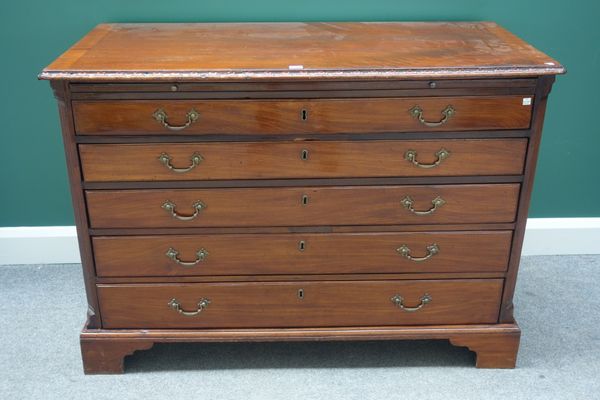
x,y
39,245
58,244
562,236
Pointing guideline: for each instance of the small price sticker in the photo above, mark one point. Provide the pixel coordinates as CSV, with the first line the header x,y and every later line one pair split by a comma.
x,y
526,101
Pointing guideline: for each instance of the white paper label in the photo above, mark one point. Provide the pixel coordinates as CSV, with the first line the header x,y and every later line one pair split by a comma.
x,y
526,101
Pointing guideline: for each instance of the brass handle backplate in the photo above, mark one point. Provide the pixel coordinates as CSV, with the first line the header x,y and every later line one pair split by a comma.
x,y
417,113
176,305
161,116
169,206
409,203
399,301
173,255
405,251
165,160
441,154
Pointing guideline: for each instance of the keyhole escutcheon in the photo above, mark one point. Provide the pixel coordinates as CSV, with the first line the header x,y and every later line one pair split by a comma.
x,y
304,199
302,245
304,114
301,294
304,155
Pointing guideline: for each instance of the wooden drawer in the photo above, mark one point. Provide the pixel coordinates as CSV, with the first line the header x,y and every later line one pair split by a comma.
x,y
307,253
207,161
264,117
303,206
280,304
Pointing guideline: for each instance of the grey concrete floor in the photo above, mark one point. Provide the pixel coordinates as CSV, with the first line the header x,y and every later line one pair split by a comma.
x,y
557,305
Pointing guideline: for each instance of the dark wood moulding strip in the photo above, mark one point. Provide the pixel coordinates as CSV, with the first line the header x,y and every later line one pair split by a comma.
x,y
294,278
537,122
301,229
304,94
302,182
63,97
300,334
300,86
81,139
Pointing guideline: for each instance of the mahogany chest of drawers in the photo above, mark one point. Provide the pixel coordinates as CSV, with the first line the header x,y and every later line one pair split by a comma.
x,y
320,181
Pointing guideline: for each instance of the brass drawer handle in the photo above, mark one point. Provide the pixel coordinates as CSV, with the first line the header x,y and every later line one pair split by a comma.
x,y
165,160
175,305
161,116
441,154
173,255
417,112
169,206
409,203
399,301
432,250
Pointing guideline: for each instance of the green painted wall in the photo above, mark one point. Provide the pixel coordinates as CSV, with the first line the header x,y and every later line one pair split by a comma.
x,y
33,177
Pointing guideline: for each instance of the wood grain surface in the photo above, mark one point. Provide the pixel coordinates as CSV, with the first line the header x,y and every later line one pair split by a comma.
x,y
277,304
308,253
326,50
285,117
276,160
358,205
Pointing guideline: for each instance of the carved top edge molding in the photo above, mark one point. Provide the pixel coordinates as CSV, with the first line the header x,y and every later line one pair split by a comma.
x,y
504,72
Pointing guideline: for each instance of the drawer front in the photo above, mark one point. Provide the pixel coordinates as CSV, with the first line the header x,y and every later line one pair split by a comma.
x,y
300,116
268,160
307,253
280,304
305,206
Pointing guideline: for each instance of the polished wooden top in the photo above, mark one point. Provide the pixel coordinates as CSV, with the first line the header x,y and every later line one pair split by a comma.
x,y
234,51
